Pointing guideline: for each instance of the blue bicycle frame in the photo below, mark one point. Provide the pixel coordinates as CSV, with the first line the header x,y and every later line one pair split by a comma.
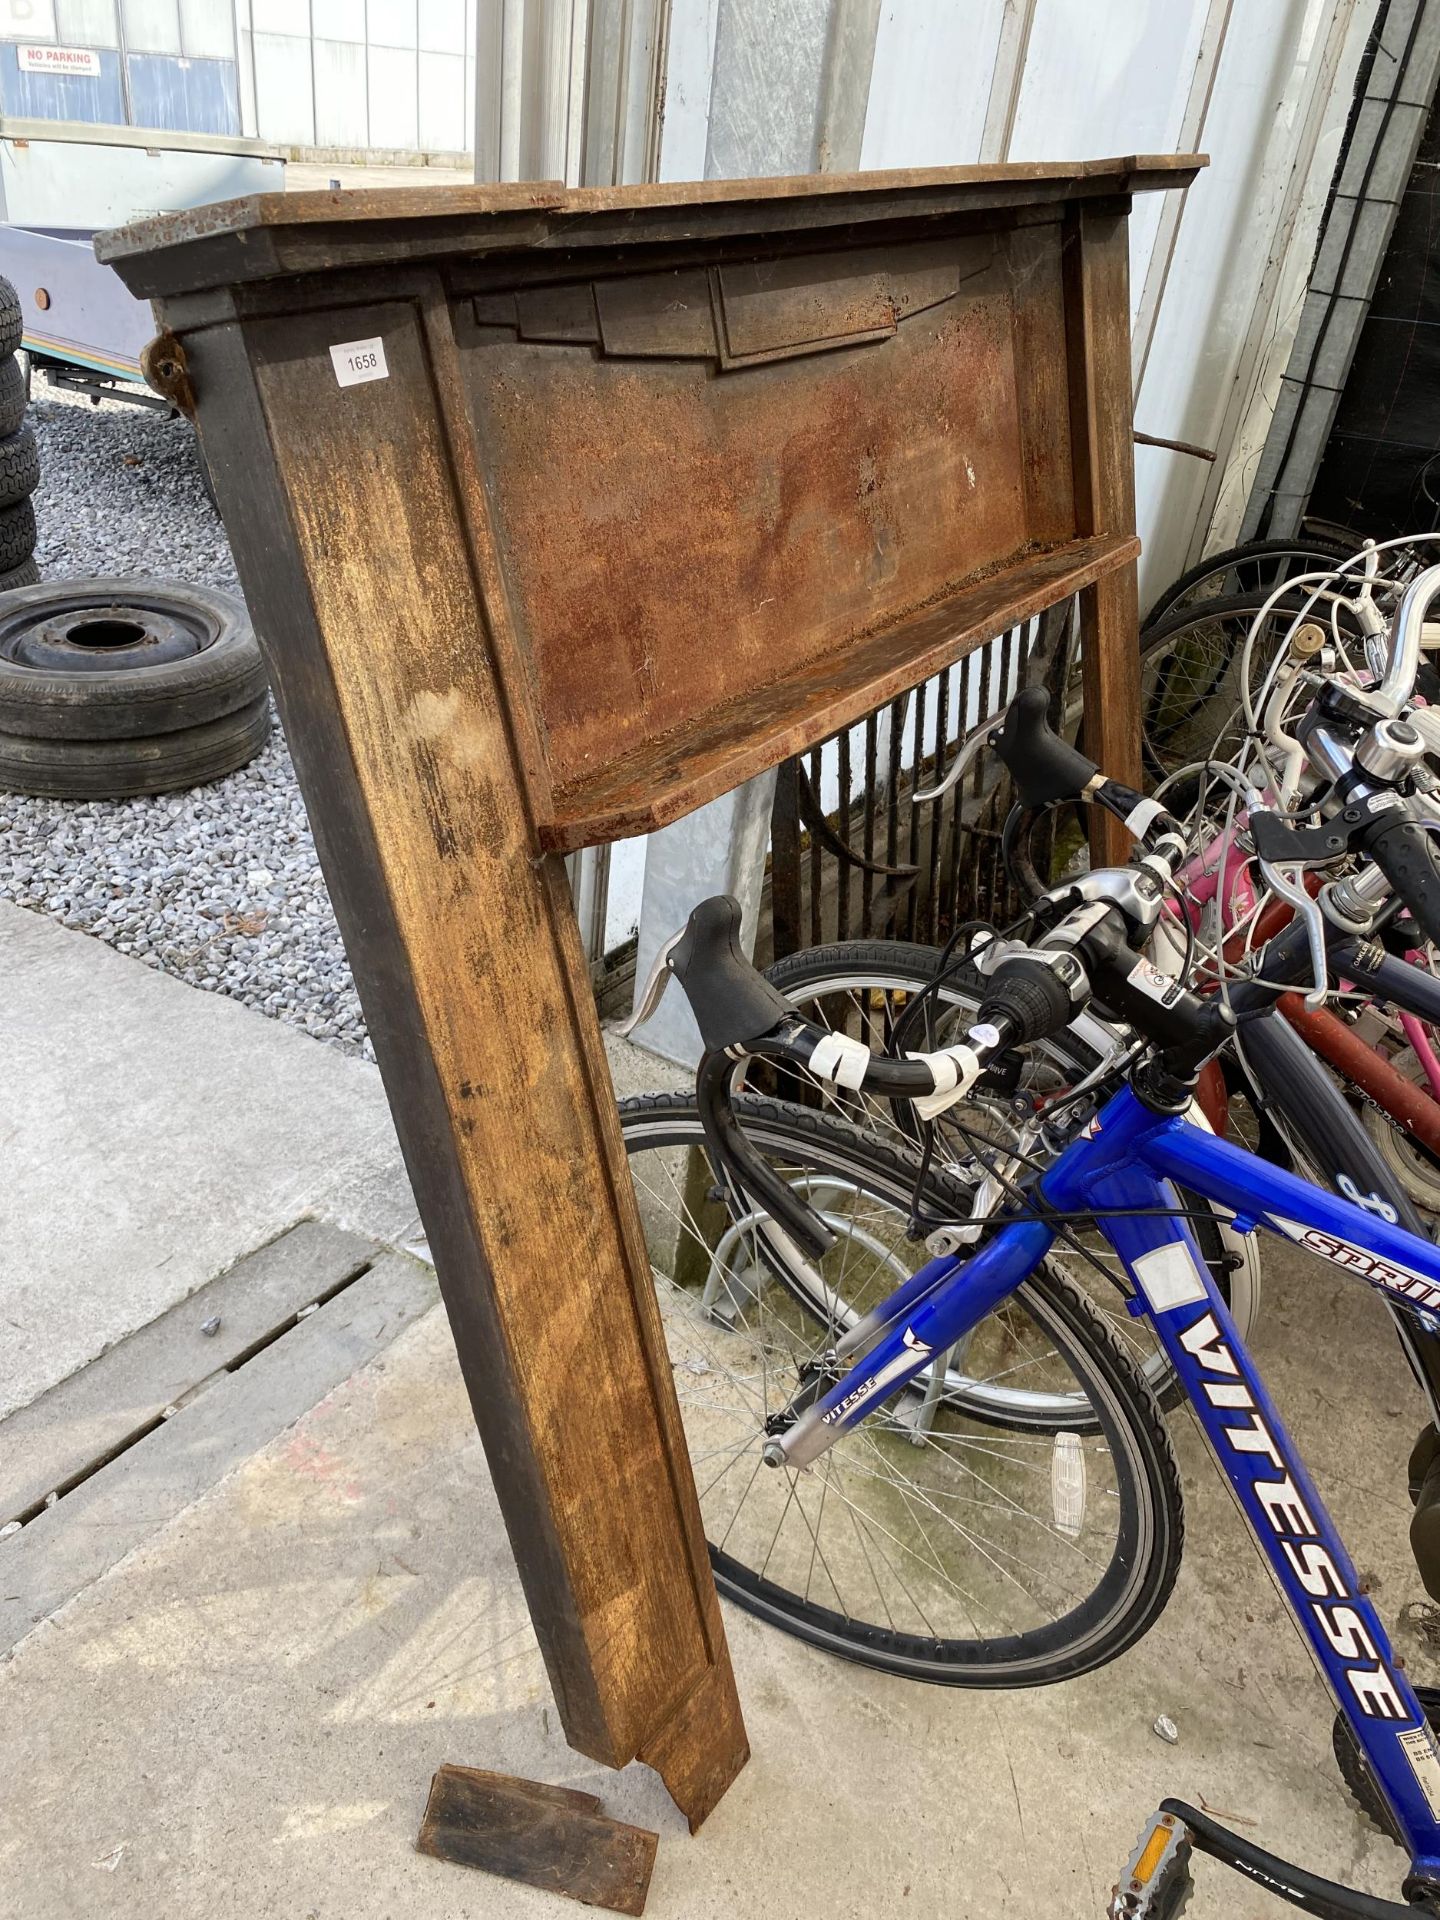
x,y
1120,1170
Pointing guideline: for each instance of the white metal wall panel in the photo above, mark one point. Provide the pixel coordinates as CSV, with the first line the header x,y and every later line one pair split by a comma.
x,y
291,17
341,107
391,23
442,27
930,84
685,131
1100,81
284,101
151,26
27,19
248,122
1087,92
393,121
442,102
207,29
1222,254
765,99
89,23
339,20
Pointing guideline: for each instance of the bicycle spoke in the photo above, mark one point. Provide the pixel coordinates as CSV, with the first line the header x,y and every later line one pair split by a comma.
x,y
941,1534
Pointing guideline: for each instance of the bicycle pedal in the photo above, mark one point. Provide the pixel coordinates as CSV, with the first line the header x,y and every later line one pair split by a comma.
x,y
1157,1878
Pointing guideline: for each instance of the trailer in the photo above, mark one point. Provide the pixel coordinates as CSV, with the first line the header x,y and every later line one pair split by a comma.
x,y
63,181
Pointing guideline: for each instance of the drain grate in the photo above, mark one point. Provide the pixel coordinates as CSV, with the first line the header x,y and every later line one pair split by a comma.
x,y
109,1455
55,1444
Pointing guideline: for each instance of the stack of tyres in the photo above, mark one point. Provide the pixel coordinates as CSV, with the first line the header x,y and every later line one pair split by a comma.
x,y
115,687
19,458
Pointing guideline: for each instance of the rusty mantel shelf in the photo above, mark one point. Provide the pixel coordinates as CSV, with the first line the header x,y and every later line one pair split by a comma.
x,y
730,435
271,233
666,779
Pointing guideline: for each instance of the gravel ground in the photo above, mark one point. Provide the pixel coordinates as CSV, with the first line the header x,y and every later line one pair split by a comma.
x,y
219,885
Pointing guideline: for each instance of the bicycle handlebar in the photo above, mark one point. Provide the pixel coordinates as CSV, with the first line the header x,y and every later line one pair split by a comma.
x,y
1405,853
1405,636
1046,768
1034,992
733,1003
738,1011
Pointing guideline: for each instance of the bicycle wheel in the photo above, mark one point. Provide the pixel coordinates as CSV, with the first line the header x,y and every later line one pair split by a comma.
x,y
924,1542
1255,567
861,988
1414,1166
1190,699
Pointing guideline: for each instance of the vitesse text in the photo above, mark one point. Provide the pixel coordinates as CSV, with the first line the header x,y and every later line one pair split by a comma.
x,y
1338,1627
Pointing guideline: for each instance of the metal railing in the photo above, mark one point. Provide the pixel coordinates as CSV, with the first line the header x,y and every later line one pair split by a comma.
x,y
854,857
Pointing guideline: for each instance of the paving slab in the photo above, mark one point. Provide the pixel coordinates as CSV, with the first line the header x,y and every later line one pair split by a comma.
x,y
243,1717
152,1134
223,1419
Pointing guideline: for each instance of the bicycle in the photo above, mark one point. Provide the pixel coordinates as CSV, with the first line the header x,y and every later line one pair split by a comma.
x,y
1119,1169
894,994
1190,683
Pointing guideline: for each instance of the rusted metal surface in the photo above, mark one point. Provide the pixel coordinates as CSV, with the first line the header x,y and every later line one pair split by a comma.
x,y
163,363
1174,446
758,455
661,490
555,1838
756,726
560,513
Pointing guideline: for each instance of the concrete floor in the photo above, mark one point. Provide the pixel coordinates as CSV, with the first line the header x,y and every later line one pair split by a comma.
x,y
242,1719
150,1134
242,1716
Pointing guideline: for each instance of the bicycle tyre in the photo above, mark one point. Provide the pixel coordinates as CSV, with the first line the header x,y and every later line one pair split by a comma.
x,y
1190,698
1415,1168
1260,555
1143,1508
894,965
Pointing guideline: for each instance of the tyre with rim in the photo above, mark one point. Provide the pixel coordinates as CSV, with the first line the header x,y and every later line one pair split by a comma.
x,y
863,989
114,688
1254,567
123,658
1413,1165
1195,667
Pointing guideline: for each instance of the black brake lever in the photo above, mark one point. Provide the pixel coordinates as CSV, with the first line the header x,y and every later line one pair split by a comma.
x,y
1278,842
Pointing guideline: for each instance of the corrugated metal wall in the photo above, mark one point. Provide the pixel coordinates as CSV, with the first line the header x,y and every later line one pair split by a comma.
x,y
383,75
368,75
596,90
162,63
792,86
